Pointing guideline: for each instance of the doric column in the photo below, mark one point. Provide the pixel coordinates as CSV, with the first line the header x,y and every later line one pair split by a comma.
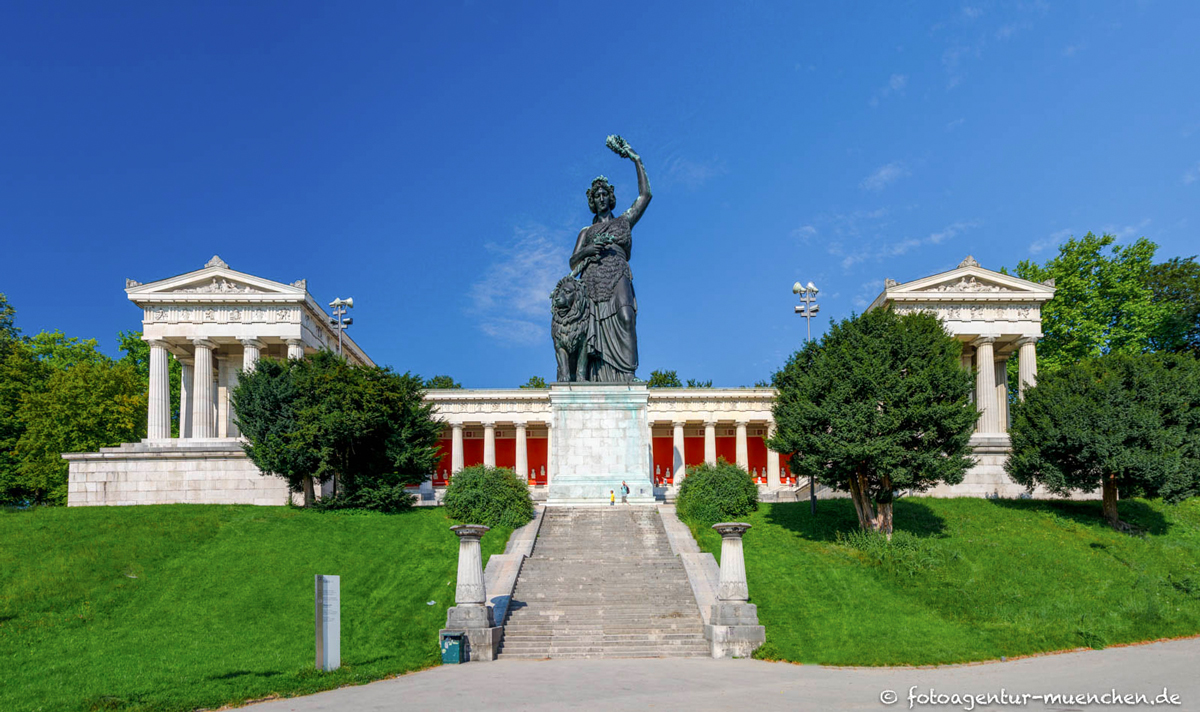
x,y
295,348
732,585
251,350
710,442
677,451
549,453
186,372
772,462
1027,364
1002,393
468,589
202,391
743,449
158,416
985,385
227,380
456,448
522,466
489,444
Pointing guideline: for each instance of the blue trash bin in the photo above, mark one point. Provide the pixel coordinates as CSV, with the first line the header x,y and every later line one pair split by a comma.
x,y
452,648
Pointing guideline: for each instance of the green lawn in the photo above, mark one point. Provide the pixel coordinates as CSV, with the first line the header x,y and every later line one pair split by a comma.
x,y
183,606
968,579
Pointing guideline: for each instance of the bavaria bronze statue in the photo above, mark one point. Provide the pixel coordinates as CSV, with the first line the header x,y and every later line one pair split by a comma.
x,y
594,310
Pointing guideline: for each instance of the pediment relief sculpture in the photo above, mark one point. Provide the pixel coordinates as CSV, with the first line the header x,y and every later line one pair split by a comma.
x,y
219,285
969,284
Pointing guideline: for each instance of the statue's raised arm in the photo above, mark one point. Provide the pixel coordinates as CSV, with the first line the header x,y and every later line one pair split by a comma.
x,y
622,148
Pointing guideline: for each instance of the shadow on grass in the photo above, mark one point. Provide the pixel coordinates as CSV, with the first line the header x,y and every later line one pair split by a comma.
x,y
837,515
1140,515
245,673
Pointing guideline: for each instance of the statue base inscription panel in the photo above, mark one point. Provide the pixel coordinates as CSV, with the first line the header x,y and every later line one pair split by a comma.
x,y
601,438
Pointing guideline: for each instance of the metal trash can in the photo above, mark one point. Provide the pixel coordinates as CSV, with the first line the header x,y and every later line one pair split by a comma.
x,y
452,648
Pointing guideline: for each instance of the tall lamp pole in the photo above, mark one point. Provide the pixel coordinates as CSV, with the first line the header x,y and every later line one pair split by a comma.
x,y
339,321
807,308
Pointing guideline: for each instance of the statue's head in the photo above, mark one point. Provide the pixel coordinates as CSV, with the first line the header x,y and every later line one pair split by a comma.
x,y
601,196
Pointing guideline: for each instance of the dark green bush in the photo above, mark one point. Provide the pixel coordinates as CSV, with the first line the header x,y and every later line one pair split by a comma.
x,y
716,493
389,499
492,496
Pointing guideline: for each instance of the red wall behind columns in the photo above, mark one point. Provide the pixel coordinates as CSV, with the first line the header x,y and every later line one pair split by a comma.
x,y
757,450
727,448
506,454
443,465
536,454
664,459
472,452
693,450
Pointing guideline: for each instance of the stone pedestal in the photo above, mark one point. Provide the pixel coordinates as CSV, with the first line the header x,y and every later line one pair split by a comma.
x,y
733,628
601,438
472,616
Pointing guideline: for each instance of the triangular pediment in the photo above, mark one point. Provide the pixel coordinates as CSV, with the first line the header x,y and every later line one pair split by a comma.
x,y
968,282
216,280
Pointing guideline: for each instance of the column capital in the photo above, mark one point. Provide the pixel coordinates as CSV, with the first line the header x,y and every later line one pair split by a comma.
x,y
710,423
521,425
253,342
1029,339
184,360
678,423
456,426
984,339
204,343
489,425
157,343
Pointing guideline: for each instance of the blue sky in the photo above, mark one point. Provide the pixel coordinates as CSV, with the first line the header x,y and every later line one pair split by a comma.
x,y
431,159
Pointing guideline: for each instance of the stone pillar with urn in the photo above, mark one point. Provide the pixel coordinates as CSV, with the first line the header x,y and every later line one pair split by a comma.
x,y
733,628
471,615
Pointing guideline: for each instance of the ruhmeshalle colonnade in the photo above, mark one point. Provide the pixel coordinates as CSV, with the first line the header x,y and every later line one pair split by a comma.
x,y
218,322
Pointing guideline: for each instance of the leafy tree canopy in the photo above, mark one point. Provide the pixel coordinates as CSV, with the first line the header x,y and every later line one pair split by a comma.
x,y
442,382
1103,301
1176,283
535,382
695,383
1124,423
879,404
90,405
664,379
319,418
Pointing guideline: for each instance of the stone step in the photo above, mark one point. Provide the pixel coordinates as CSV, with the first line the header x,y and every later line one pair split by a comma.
x,y
554,639
650,651
654,653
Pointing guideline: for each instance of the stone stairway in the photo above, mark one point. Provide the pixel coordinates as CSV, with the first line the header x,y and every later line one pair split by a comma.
x,y
602,583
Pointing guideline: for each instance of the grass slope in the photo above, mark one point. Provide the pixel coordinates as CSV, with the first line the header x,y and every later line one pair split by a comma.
x,y
968,579
182,606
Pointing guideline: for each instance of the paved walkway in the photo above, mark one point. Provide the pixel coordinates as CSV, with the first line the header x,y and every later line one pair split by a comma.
x,y
750,685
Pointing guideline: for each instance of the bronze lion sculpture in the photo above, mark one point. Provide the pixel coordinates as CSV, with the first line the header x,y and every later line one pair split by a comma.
x,y
570,328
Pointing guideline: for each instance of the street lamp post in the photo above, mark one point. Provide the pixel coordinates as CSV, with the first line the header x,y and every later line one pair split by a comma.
x,y
339,321
807,308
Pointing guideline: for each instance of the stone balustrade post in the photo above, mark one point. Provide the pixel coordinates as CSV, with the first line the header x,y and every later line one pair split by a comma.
x,y
468,590
733,586
733,629
471,615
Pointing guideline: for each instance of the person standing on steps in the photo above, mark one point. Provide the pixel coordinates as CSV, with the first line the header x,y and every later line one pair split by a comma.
x,y
624,493
612,498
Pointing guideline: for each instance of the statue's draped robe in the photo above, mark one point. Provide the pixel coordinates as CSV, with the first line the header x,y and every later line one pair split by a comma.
x,y
612,341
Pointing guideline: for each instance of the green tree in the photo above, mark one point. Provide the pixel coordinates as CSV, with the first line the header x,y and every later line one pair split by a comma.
x,y
441,382
880,404
8,324
535,382
1124,423
664,379
1103,301
695,383
1176,283
716,493
492,496
320,418
89,405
